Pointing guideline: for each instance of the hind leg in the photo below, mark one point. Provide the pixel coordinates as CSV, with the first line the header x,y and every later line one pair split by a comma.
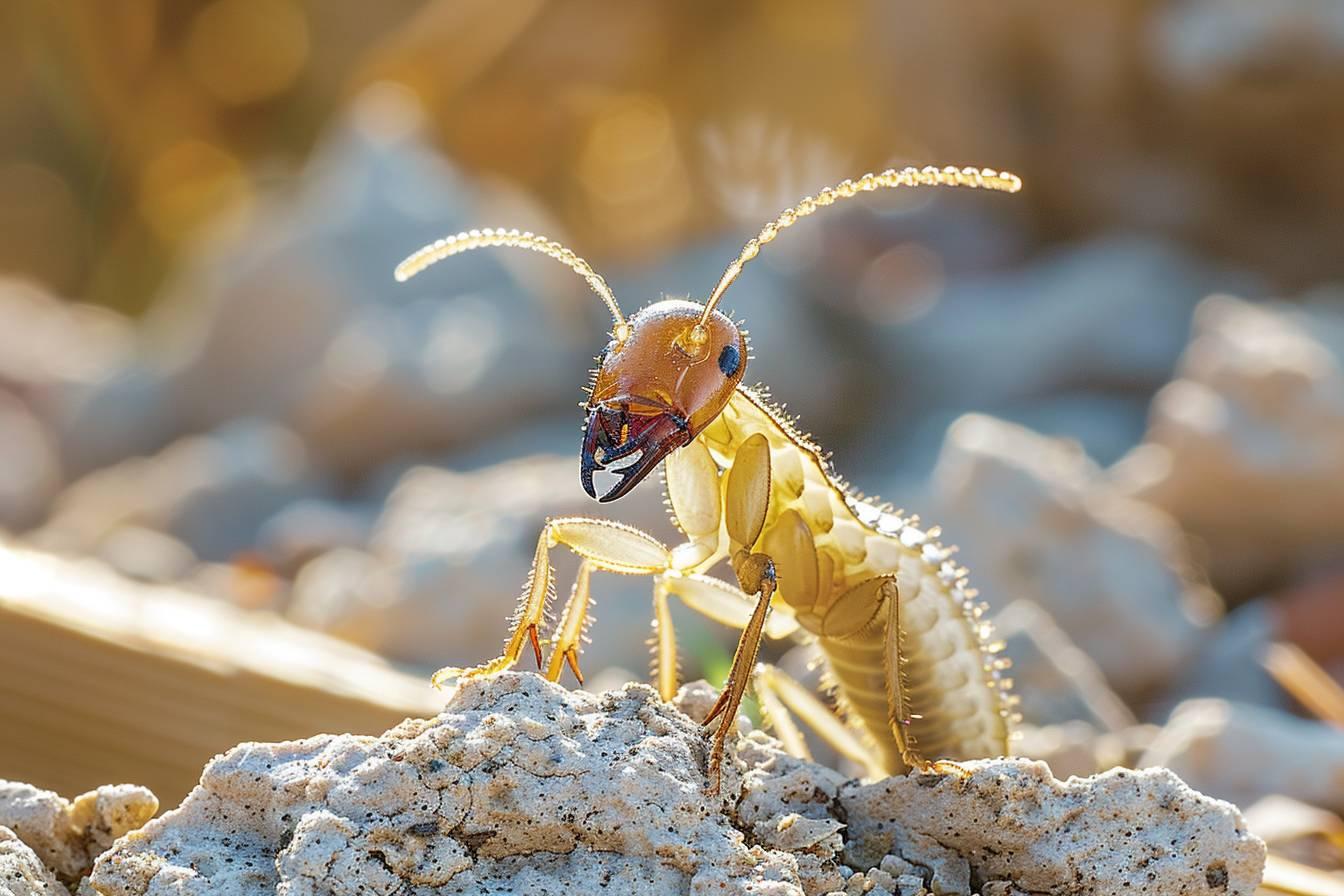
x,y
900,715
783,696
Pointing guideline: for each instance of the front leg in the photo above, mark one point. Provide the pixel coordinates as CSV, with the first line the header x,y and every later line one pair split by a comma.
x,y
607,545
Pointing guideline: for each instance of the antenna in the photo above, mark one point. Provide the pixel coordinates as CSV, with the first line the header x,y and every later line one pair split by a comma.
x,y
981,178
514,239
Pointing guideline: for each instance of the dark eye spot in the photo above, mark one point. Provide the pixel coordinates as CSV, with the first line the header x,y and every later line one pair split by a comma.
x,y
729,360
602,358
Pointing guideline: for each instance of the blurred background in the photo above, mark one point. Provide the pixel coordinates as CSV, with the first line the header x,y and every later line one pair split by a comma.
x,y
255,489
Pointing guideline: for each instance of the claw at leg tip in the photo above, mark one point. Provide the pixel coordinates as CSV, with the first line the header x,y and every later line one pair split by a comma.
x,y
443,675
536,644
572,657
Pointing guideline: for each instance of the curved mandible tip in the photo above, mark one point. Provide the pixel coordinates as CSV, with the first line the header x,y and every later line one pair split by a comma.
x,y
515,239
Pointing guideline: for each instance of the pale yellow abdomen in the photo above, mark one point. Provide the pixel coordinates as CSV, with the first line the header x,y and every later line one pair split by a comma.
x,y
824,541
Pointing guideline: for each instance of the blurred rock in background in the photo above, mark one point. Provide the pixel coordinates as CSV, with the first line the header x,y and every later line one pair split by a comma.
x,y
211,492
1246,446
1036,521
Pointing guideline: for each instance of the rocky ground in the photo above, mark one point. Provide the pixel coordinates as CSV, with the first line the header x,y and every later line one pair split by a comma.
x,y
520,786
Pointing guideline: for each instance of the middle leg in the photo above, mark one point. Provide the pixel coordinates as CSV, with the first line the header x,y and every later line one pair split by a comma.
x,y
782,696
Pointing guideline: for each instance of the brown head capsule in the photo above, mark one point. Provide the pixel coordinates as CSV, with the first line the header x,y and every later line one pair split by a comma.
x,y
656,390
664,376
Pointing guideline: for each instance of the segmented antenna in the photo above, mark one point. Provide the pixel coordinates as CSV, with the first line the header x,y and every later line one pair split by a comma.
x,y
513,239
982,178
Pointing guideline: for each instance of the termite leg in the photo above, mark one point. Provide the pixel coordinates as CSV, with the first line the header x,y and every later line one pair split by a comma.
x,y
756,574
712,598
775,715
568,637
898,708
665,666
746,500
781,693
607,545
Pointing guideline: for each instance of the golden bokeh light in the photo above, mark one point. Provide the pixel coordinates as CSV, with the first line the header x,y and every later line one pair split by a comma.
x,y
246,51
188,183
632,172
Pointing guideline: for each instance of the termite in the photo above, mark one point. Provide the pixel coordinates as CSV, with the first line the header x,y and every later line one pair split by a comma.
x,y
913,668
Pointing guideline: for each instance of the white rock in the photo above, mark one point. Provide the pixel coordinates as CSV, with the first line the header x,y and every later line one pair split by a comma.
x,y
67,836
520,786
21,872
1241,752
1121,832
299,319
48,343
1035,520
74,365
518,782
310,527
1078,338
1053,678
1255,420
1220,667
1205,43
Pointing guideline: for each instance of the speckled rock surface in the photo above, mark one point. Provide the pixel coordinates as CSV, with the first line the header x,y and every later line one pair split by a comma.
x,y
519,783
520,786
1010,822
22,872
66,836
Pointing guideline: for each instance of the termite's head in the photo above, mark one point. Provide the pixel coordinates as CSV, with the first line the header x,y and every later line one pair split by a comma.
x,y
659,382
670,369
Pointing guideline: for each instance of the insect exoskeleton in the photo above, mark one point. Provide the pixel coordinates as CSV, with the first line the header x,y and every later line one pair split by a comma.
x,y
911,665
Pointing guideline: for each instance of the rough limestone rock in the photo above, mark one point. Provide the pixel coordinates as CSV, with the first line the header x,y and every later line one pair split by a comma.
x,y
1012,823
22,872
520,786
65,837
